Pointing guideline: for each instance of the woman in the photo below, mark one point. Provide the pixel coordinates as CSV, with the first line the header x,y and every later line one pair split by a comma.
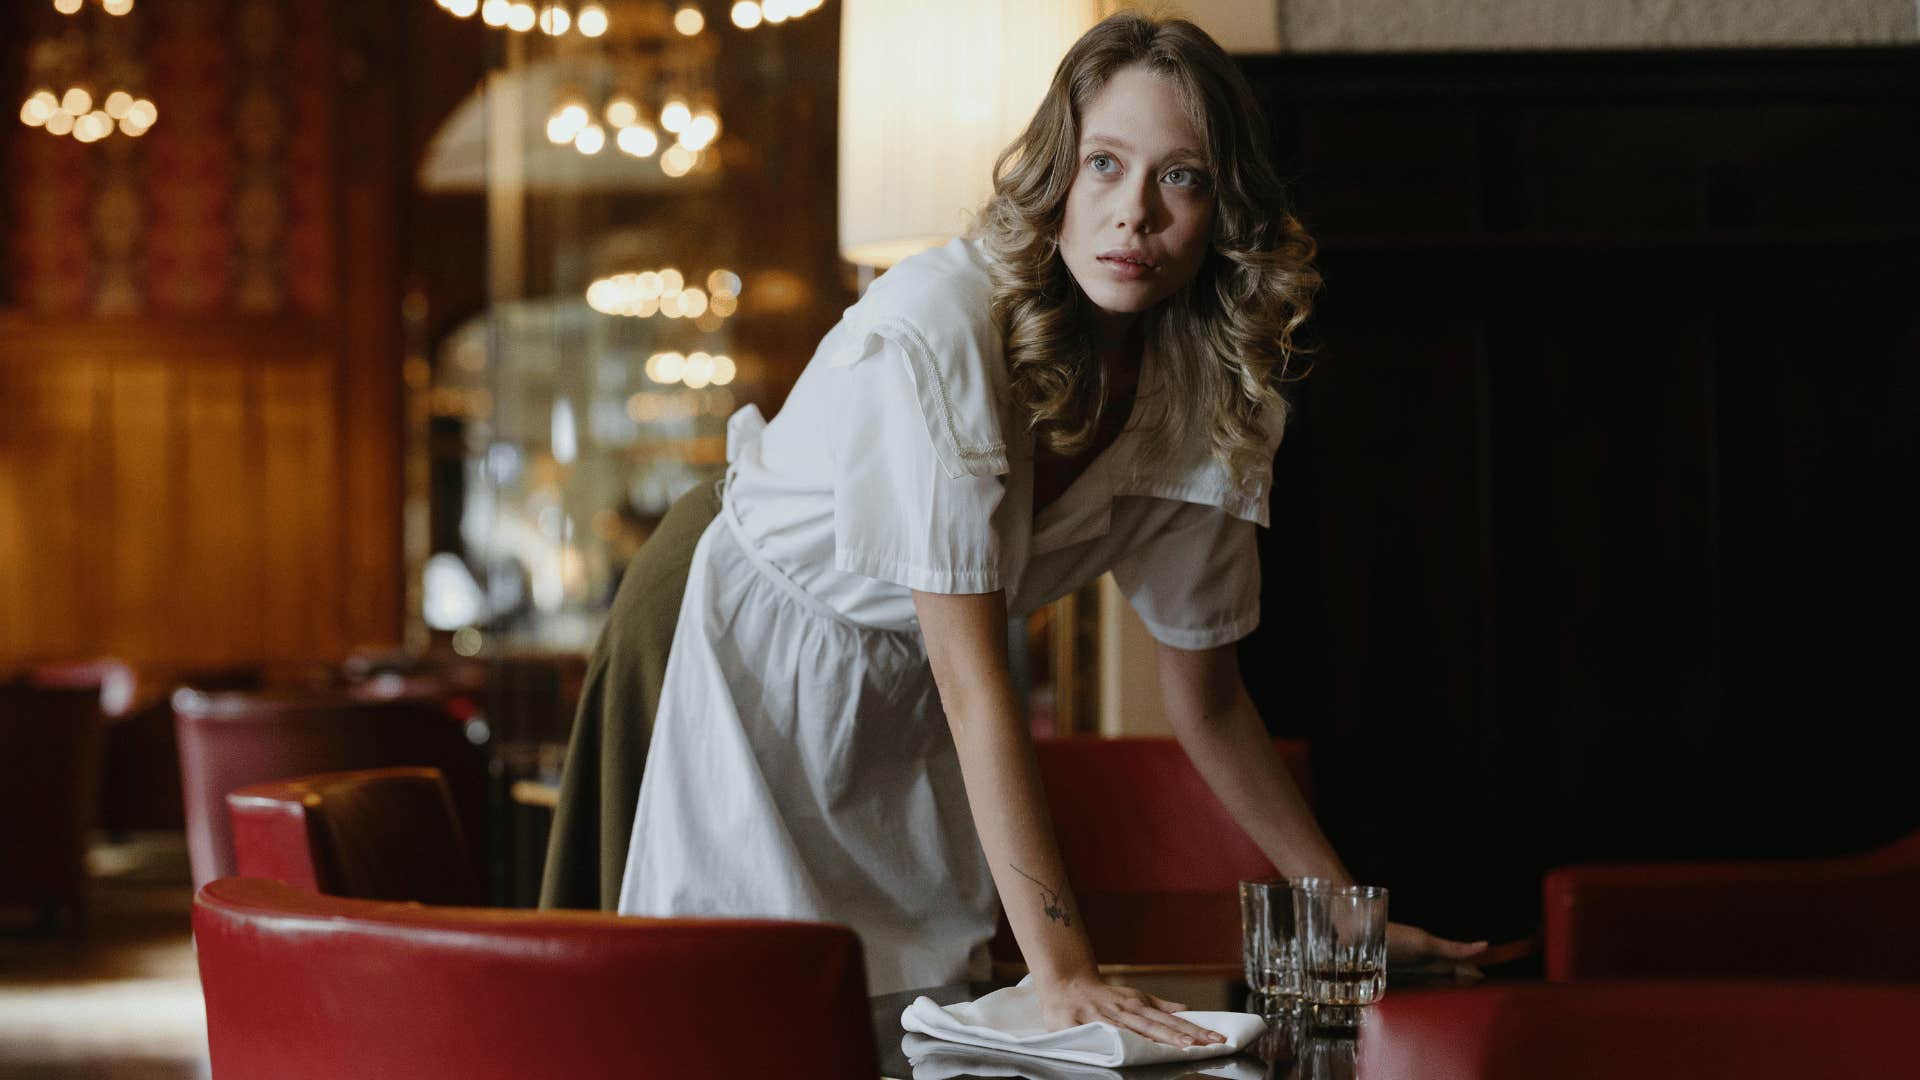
x,y
1086,384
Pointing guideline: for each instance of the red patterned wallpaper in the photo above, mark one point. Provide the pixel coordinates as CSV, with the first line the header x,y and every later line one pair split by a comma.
x,y
225,206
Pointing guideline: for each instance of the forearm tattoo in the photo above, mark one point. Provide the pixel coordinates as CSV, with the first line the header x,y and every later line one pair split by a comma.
x,y
1056,908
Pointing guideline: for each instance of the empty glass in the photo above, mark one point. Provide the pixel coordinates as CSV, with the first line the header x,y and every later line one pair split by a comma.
x,y
1342,934
1268,954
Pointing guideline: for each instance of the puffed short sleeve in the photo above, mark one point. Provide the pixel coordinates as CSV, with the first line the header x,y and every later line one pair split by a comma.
x,y
898,515
1195,583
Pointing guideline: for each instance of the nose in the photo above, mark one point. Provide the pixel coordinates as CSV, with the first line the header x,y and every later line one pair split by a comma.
x,y
1134,207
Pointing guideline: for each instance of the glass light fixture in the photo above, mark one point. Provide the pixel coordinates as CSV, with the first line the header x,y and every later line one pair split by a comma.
x,y
592,20
591,139
554,20
746,14
689,21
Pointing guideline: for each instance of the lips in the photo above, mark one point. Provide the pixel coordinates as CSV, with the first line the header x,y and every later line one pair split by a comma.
x,y
1126,265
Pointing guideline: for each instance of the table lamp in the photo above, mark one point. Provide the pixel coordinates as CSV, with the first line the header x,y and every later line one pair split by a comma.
x,y
930,93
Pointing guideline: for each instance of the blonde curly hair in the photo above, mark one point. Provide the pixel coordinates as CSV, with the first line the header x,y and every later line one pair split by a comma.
x,y
1225,341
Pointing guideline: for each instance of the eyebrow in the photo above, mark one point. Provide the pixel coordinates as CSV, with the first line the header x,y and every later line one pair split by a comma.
x,y
1103,139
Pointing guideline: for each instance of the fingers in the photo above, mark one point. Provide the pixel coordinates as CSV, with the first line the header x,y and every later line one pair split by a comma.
x,y
1164,1005
1160,1027
1455,950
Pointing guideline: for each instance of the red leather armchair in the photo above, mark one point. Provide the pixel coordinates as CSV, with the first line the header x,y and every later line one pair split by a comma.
x,y
1621,1030
300,984
1154,858
375,834
51,735
1852,917
231,740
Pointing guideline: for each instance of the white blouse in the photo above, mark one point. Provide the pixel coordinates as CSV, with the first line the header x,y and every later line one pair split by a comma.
x,y
844,492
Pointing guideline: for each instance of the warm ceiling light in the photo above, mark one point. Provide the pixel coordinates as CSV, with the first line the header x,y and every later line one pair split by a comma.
x,y
568,122
622,112
677,161
674,115
554,20
593,20
521,17
66,7
496,12
60,123
35,110
591,140
689,21
723,370
117,103
116,7
746,14
143,113
77,102
638,140
128,127
775,11
463,8
700,131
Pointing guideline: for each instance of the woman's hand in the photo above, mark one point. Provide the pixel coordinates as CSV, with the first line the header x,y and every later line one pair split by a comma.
x,y
1410,946
1086,1000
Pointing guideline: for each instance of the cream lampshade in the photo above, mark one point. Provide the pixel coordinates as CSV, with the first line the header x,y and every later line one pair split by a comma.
x,y
930,93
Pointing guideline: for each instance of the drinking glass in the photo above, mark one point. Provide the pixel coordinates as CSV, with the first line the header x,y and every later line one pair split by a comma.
x,y
1268,951
1342,933
1256,928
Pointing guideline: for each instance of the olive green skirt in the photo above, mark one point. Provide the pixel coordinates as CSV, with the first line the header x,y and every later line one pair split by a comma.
x,y
600,787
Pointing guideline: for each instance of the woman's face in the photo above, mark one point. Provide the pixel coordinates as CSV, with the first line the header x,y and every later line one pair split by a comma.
x,y
1140,212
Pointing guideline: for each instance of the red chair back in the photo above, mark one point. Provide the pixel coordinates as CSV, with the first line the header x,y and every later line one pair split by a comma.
x,y
1642,1031
1153,856
375,834
300,984
230,740
1134,815
1852,917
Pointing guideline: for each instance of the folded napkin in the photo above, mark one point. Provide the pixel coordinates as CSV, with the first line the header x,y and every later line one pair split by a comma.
x,y
1010,1020
937,1059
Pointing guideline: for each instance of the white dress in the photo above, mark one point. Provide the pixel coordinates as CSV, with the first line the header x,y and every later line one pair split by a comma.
x,y
801,766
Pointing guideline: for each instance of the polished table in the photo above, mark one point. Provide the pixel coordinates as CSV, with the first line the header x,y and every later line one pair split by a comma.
x,y
1467,1028
1298,1044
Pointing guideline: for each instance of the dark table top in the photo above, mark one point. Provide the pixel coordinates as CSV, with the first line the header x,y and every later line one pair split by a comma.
x,y
1300,1043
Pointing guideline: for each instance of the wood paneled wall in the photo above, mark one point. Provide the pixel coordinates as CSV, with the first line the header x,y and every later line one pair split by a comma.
x,y
217,482
177,494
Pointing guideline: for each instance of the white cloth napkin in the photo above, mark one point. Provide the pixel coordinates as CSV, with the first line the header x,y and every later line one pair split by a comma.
x,y
1010,1020
937,1059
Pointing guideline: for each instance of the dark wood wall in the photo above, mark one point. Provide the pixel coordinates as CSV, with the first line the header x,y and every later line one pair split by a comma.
x,y
1594,536
200,436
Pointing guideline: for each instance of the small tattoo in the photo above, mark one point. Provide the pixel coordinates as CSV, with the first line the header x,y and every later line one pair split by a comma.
x,y
1056,910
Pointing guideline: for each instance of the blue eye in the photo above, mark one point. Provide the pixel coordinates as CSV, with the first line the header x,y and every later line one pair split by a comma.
x,y
1183,178
1101,163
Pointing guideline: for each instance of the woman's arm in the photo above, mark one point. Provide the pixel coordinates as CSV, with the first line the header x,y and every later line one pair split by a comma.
x,y
966,638
1221,731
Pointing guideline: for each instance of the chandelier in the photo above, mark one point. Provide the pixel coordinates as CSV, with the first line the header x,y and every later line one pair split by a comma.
x,y
66,98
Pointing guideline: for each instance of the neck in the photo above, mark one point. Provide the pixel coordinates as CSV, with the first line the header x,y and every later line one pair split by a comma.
x,y
1117,338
